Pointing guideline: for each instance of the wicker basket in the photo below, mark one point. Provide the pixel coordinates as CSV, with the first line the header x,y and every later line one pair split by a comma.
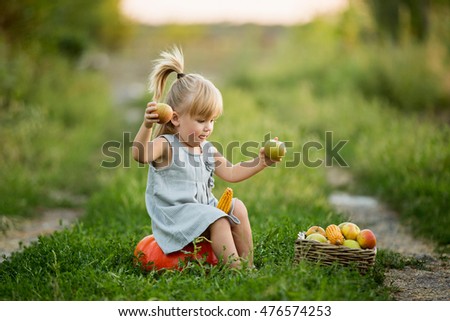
x,y
329,254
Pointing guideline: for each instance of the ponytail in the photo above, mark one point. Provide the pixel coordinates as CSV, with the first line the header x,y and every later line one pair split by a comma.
x,y
170,61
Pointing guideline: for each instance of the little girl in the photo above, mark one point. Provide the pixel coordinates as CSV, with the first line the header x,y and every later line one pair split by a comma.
x,y
182,162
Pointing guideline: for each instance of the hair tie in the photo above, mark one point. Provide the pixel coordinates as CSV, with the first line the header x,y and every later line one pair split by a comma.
x,y
180,75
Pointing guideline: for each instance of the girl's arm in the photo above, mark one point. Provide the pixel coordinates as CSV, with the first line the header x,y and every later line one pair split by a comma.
x,y
243,170
143,150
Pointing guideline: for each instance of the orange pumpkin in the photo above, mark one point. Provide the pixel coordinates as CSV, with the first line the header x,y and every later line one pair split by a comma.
x,y
151,257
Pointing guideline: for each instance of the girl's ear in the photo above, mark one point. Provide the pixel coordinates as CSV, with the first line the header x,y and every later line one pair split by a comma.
x,y
175,119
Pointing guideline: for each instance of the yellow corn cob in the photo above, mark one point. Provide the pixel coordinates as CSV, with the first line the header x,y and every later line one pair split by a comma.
x,y
225,200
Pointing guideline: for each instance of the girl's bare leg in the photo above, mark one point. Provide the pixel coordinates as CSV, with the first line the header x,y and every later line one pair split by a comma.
x,y
223,242
242,233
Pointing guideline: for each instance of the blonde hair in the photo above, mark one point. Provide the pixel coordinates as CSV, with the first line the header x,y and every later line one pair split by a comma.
x,y
189,93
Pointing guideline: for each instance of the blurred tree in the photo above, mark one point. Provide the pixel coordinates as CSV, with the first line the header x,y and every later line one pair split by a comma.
x,y
65,26
388,16
419,18
34,32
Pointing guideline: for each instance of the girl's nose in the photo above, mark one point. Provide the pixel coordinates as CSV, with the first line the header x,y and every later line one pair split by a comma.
x,y
209,126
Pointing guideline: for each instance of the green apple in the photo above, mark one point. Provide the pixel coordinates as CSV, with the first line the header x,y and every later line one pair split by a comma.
x,y
274,149
352,244
317,237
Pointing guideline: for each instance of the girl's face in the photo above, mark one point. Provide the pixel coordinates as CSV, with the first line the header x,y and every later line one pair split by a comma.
x,y
194,130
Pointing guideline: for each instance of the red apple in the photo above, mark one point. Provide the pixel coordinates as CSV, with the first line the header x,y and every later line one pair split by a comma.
x,y
367,239
350,231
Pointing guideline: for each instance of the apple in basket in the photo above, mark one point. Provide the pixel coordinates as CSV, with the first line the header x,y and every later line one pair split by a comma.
x,y
352,244
350,231
317,237
315,229
366,238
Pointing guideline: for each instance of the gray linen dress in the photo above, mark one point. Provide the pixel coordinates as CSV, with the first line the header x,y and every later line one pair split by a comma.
x,y
179,199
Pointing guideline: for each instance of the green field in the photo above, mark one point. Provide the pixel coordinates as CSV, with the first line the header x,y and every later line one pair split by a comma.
x,y
389,102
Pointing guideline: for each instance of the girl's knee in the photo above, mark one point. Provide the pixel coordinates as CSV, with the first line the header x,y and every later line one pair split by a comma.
x,y
220,223
240,211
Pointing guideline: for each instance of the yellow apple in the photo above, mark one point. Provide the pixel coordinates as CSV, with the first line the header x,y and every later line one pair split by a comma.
x,y
317,237
164,112
342,224
350,231
315,229
274,149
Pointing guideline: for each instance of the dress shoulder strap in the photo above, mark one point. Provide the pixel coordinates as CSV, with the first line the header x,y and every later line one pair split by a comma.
x,y
208,150
173,141
168,137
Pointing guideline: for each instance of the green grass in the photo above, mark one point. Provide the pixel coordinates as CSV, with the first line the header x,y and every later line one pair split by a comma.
x,y
94,261
102,274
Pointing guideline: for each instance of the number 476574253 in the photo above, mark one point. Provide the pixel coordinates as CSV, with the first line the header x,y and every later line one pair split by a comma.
x,y
296,310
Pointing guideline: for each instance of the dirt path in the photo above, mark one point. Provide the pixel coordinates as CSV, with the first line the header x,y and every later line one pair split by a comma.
x,y
17,233
429,282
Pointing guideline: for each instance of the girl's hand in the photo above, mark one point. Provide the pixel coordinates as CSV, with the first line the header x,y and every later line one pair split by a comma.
x,y
266,161
150,116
